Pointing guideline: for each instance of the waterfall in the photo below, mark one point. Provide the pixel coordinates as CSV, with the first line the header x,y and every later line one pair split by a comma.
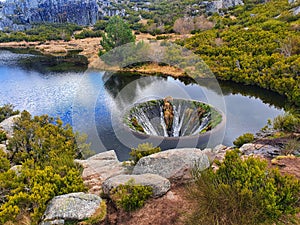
x,y
203,125
176,121
162,122
147,125
189,117
189,125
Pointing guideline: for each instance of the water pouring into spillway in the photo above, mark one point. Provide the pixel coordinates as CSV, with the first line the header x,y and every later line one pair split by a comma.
x,y
172,117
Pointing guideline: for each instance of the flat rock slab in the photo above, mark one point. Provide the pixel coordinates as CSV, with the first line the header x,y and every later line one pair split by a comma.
x,y
98,168
174,164
75,206
160,185
260,149
8,125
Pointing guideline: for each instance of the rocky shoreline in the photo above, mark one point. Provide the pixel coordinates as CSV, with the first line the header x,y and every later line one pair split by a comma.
x,y
165,172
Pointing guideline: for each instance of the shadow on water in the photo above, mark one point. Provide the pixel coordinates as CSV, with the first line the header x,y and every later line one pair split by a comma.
x,y
45,64
268,97
115,82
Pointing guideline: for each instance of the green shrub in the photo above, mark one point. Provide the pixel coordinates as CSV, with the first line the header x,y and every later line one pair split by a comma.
x,y
291,147
142,150
2,136
7,111
4,163
85,33
243,191
287,122
135,124
245,138
130,196
46,150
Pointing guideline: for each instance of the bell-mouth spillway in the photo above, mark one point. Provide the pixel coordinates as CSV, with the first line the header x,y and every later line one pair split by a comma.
x,y
173,118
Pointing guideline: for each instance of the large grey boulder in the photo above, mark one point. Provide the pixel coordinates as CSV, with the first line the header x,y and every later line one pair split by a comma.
x,y
174,164
8,125
160,185
74,206
98,168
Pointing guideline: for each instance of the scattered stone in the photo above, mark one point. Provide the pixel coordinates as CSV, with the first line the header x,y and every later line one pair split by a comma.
x,y
160,185
75,206
219,148
3,148
8,125
17,169
215,6
174,164
99,168
220,151
54,222
296,10
292,1
268,151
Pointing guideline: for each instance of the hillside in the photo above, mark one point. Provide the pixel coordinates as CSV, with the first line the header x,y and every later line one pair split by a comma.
x,y
255,45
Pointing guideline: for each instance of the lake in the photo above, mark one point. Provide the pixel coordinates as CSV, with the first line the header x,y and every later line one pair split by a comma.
x,y
94,102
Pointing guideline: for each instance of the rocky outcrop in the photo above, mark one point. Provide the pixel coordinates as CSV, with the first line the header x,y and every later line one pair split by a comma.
x,y
168,113
8,125
263,150
100,167
215,6
174,164
74,207
20,14
160,185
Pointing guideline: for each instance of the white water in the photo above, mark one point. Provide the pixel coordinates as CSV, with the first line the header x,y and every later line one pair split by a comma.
x,y
186,120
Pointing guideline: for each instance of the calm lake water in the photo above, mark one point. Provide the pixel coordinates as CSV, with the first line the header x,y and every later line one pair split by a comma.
x,y
94,101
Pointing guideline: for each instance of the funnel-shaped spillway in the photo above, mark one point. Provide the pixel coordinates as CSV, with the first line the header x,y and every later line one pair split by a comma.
x,y
172,117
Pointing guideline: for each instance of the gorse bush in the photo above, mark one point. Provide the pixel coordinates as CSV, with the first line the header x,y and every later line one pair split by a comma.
x,y
142,150
287,122
245,138
130,196
85,33
260,46
45,149
2,136
7,111
292,146
243,191
42,32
